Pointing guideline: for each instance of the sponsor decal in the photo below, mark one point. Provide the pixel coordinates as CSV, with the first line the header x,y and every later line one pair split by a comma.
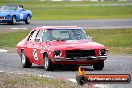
x,y
83,78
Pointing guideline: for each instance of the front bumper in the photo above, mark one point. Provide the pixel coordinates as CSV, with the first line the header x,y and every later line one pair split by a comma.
x,y
80,61
5,19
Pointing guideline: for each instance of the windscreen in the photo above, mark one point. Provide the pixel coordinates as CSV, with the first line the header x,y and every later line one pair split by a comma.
x,y
65,34
6,8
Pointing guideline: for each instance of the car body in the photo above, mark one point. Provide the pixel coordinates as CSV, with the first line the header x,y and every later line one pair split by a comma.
x,y
13,13
61,45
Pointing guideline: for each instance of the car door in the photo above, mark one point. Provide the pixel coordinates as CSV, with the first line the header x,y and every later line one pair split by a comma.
x,y
22,13
38,57
30,46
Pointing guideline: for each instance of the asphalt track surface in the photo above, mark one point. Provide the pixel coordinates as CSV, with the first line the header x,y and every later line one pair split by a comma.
x,y
115,64
90,24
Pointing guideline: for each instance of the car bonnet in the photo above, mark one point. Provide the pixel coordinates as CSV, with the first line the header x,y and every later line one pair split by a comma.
x,y
78,44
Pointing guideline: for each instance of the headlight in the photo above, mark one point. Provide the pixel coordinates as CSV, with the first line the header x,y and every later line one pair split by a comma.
x,y
103,52
57,53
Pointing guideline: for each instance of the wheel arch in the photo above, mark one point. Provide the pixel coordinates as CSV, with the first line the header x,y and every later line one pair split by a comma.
x,y
14,16
29,15
22,50
44,54
16,19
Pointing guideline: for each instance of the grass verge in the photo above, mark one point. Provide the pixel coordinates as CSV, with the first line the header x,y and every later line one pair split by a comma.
x,y
12,38
117,40
31,81
74,10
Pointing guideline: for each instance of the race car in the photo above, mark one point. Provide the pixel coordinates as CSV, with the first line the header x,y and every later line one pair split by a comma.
x,y
13,13
61,45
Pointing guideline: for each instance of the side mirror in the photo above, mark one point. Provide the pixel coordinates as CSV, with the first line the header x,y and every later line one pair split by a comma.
x,y
39,40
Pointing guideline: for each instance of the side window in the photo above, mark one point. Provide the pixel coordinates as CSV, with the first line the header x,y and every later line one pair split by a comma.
x,y
32,36
39,36
46,36
77,34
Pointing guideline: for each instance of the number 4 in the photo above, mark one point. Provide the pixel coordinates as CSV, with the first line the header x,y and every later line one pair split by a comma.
x,y
21,16
35,54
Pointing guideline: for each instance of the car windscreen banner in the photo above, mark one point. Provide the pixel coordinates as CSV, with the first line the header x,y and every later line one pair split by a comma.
x,y
83,78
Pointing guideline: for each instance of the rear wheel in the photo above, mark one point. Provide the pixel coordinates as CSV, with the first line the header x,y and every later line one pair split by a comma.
x,y
47,63
98,66
25,61
28,20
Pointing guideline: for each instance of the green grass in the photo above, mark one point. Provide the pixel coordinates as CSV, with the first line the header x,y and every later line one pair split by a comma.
x,y
11,39
117,40
73,10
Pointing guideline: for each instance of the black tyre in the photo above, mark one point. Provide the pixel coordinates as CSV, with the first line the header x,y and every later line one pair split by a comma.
x,y
13,21
25,61
48,66
28,19
98,66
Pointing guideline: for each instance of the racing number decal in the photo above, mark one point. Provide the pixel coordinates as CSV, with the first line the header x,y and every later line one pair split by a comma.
x,y
35,54
21,16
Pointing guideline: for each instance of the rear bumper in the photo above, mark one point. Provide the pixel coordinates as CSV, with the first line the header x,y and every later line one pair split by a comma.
x,y
90,60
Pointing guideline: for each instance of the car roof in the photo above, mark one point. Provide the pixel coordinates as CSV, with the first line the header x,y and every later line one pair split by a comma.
x,y
56,27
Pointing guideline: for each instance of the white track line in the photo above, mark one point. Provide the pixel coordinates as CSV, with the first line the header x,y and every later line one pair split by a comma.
x,y
23,28
72,80
19,28
14,28
1,71
3,50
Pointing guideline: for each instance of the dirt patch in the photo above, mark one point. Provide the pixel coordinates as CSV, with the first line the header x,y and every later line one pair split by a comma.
x,y
10,50
30,81
7,30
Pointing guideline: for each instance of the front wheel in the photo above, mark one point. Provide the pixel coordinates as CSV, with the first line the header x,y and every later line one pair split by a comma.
x,y
28,20
13,21
98,66
25,62
47,63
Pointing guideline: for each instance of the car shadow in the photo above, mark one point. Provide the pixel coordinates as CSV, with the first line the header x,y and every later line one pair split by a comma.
x,y
13,25
65,68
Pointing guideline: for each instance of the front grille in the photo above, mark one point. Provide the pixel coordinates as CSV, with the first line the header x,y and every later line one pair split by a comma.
x,y
80,53
1,18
